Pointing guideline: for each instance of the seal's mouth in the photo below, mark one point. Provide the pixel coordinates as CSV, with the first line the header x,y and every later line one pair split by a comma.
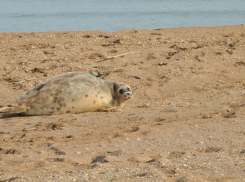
x,y
127,95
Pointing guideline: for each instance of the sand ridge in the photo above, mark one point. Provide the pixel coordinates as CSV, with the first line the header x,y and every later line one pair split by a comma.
x,y
185,122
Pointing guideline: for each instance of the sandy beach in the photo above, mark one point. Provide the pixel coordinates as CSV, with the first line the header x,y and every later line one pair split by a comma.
x,y
185,123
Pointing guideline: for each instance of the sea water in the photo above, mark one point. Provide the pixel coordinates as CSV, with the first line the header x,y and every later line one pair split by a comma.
x,y
115,15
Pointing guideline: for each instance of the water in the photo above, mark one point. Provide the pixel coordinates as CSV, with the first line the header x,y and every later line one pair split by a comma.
x,y
114,15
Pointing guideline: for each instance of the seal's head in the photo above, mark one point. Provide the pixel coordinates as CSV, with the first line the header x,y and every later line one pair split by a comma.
x,y
122,91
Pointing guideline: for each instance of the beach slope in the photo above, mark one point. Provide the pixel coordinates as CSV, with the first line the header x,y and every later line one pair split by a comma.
x,y
185,122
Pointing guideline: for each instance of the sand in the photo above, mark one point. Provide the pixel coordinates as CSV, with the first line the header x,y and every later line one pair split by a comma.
x,y
186,121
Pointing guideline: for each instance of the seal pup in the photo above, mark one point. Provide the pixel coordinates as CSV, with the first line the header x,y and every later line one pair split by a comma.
x,y
71,92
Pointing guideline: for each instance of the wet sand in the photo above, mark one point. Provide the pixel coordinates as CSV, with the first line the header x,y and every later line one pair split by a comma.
x,y
186,121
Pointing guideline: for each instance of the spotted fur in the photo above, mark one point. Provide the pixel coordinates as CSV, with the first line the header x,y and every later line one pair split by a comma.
x,y
72,92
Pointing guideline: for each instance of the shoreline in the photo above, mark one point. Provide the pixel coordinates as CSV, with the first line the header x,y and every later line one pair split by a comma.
x,y
198,27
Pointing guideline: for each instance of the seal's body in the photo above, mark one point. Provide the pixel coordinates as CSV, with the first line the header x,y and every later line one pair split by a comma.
x,y
72,92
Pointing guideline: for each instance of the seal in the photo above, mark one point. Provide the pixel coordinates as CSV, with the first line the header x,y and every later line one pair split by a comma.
x,y
72,92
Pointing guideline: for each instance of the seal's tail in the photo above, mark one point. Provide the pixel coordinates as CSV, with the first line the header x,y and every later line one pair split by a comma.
x,y
12,109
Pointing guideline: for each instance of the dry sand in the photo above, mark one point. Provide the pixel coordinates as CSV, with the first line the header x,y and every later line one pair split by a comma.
x,y
186,121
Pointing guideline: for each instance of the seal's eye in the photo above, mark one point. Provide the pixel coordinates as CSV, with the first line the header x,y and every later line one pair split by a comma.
x,y
121,91
128,89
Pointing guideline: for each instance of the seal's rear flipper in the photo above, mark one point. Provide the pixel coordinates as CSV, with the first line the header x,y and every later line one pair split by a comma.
x,y
12,109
